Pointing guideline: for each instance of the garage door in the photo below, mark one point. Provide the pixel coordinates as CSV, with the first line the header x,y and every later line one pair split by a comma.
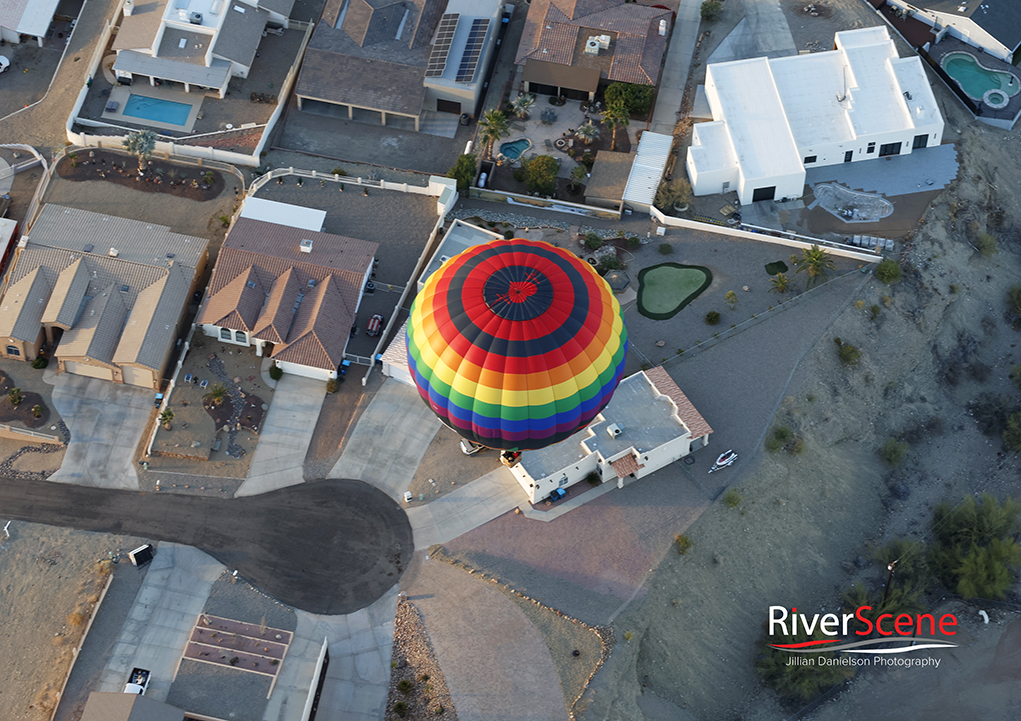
x,y
140,377
764,194
83,369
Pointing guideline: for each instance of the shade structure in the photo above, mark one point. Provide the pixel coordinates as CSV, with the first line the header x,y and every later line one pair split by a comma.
x,y
516,344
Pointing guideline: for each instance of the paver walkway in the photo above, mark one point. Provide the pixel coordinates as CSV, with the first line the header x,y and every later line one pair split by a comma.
x,y
389,441
676,68
496,664
106,421
286,432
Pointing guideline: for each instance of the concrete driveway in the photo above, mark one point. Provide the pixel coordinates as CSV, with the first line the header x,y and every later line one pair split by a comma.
x,y
286,433
106,422
389,441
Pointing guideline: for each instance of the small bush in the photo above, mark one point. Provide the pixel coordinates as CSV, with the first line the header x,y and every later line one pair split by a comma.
x,y
633,242
37,411
508,234
401,709
439,710
76,619
712,318
780,437
874,312
888,271
339,171
332,385
666,248
405,686
986,245
684,544
893,452
40,362
519,175
849,355
610,262
593,241
15,396
711,10
276,372
732,499
593,479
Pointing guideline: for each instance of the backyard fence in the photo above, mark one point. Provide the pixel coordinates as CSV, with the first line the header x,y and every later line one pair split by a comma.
x,y
766,235
559,206
23,434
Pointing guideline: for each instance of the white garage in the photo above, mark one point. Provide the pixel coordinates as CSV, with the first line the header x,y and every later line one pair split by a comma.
x,y
141,377
84,369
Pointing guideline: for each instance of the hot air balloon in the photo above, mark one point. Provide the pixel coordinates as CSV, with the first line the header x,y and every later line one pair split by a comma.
x,y
516,344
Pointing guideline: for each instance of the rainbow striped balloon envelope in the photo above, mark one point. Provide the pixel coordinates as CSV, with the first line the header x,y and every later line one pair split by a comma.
x,y
516,344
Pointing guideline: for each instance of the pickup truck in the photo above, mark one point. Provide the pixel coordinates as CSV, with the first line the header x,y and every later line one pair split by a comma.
x,y
138,681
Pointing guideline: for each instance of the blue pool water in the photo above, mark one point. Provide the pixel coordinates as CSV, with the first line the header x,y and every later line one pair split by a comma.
x,y
162,111
514,149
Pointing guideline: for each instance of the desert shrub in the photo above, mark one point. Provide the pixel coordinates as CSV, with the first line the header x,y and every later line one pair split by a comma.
x,y
401,709
76,619
508,234
893,452
711,10
991,413
684,544
986,245
276,372
339,171
912,570
712,318
793,682
874,312
780,437
405,686
332,385
593,241
610,262
40,362
732,499
593,479
666,248
976,554
37,411
730,299
15,396
633,242
888,271
848,354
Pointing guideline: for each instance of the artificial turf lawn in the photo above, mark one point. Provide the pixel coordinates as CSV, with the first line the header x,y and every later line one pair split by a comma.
x,y
777,267
664,289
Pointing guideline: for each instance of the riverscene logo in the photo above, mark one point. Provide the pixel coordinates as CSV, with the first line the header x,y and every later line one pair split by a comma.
x,y
899,634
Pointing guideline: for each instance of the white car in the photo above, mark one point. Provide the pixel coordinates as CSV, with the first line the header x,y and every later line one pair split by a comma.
x,y
5,64
138,682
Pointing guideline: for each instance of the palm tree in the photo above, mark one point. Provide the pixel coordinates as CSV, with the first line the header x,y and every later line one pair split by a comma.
x,y
141,144
616,116
588,132
166,417
522,104
816,262
492,127
215,395
780,284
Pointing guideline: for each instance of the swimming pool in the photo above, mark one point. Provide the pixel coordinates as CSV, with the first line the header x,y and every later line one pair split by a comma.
x,y
515,148
977,80
162,111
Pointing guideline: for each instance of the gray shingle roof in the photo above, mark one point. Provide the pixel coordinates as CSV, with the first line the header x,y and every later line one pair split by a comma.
x,y
23,305
68,294
98,330
139,29
609,175
194,50
368,22
283,7
999,18
374,84
151,326
240,34
175,70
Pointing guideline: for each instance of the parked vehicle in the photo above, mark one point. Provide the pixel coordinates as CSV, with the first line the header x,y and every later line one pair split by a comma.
x,y
138,681
375,325
5,64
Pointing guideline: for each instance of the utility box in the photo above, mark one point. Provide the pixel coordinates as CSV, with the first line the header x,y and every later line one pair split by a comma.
x,y
142,555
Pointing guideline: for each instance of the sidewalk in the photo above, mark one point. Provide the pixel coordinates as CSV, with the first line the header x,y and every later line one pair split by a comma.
x,y
676,68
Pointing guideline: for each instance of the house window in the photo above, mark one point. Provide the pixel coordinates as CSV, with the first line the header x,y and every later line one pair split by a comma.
x,y
241,337
889,149
810,159
871,148
12,350
920,142
225,334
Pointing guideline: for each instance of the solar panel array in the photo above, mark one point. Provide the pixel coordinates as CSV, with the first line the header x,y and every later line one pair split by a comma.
x,y
444,36
473,50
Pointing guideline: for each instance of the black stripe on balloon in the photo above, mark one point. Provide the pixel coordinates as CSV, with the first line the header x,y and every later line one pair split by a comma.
x,y
556,337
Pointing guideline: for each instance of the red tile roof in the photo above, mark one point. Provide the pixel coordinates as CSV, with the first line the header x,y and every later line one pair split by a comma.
x,y
626,465
685,410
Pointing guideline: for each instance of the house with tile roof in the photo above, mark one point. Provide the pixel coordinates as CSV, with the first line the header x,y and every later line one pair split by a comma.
x,y
111,312
647,425
292,293
399,59
569,47
200,44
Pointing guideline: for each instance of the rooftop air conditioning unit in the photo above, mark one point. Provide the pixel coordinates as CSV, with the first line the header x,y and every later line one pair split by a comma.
x,y
662,27
113,253
592,46
306,246
613,430
444,259
195,18
604,41
129,7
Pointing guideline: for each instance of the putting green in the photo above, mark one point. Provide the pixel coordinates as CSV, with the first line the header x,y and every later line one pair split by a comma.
x,y
664,289
777,267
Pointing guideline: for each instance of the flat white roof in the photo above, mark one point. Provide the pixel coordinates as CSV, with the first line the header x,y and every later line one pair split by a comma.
x,y
647,170
459,237
29,17
711,148
293,216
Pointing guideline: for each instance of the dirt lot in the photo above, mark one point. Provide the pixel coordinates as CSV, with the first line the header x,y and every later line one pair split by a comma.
x,y
938,341
52,578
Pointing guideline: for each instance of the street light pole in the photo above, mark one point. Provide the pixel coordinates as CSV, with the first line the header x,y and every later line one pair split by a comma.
x,y
889,579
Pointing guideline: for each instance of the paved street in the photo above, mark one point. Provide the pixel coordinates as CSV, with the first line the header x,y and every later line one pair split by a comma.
x,y
327,547
106,422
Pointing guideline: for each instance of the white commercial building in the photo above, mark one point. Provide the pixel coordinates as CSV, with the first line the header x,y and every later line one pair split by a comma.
x,y
647,425
772,118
